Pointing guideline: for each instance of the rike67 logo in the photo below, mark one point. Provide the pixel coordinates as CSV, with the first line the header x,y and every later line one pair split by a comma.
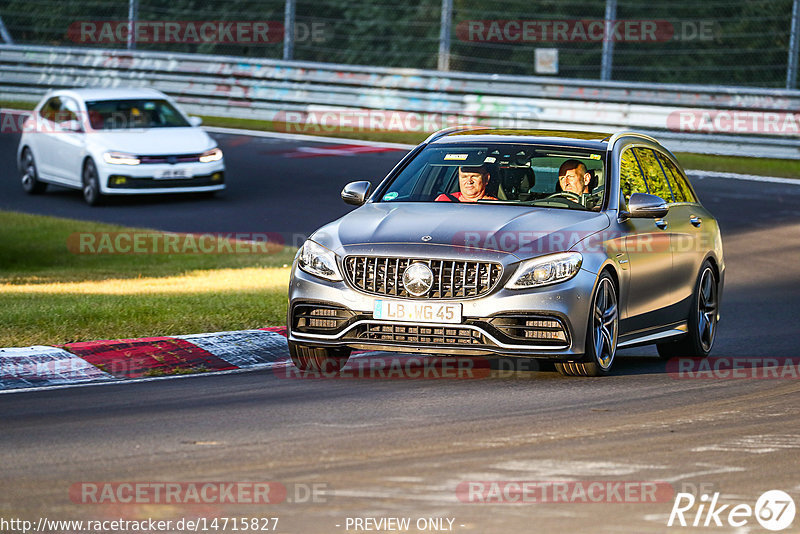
x,y
774,510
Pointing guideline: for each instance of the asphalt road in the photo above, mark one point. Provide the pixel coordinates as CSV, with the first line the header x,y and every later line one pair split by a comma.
x,y
271,187
400,448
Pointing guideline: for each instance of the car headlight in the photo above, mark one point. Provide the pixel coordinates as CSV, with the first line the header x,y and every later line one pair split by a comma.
x,y
315,259
120,158
546,270
208,156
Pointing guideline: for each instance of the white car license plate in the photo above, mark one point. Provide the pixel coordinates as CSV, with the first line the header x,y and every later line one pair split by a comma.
x,y
423,312
173,173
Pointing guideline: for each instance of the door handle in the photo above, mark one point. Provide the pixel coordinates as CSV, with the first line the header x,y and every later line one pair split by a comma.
x,y
661,223
695,220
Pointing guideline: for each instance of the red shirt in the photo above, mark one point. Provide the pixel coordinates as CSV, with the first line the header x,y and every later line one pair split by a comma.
x,y
444,198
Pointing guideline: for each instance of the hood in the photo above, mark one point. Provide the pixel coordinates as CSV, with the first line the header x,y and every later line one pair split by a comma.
x,y
154,141
522,231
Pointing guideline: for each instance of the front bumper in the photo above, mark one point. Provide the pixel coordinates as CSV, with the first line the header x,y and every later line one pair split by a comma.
x,y
141,179
493,324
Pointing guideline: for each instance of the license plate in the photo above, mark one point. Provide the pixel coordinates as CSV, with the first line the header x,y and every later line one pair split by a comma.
x,y
173,173
423,312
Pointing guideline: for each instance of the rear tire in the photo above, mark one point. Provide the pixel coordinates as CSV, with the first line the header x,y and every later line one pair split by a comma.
x,y
601,333
327,360
29,175
702,320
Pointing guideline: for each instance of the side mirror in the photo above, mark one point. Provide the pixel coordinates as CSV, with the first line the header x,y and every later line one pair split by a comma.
x,y
356,193
195,121
644,206
70,126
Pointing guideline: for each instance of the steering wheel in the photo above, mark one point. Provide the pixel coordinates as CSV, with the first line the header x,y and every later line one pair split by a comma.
x,y
569,195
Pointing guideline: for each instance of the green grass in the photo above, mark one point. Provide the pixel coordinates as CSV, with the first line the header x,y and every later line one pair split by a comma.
x,y
35,248
17,104
64,318
50,295
410,138
784,168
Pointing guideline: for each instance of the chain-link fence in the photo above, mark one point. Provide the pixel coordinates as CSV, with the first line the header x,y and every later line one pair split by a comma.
x,y
723,42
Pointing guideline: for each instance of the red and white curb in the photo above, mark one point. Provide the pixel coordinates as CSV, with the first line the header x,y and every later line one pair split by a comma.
x,y
121,359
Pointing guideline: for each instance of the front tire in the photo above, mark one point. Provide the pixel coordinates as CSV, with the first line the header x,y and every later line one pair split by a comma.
x,y
29,174
702,320
327,360
91,184
601,334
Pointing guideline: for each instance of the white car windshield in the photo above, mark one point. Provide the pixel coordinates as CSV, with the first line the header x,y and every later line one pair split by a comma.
x,y
502,173
136,113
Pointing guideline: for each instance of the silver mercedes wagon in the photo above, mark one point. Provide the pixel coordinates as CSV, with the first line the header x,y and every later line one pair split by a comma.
x,y
527,243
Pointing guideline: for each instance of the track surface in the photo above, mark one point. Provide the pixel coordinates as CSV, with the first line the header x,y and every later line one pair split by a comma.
x,y
400,447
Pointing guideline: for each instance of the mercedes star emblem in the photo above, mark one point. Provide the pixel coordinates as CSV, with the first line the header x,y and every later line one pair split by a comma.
x,y
418,279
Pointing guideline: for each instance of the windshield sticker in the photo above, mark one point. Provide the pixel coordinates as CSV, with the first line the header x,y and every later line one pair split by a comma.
x,y
390,196
456,157
490,160
595,156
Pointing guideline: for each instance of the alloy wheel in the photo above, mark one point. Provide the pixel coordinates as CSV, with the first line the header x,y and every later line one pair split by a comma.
x,y
707,310
605,323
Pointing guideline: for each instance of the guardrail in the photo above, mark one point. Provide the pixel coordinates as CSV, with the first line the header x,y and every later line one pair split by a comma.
x,y
746,121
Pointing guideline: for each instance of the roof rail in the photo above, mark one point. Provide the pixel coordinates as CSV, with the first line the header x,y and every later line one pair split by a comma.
x,y
617,136
453,129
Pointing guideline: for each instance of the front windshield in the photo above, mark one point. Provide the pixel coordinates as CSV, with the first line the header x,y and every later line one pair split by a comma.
x,y
138,113
502,173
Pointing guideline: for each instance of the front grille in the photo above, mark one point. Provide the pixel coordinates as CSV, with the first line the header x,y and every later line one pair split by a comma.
x,y
411,334
541,330
451,279
121,181
171,159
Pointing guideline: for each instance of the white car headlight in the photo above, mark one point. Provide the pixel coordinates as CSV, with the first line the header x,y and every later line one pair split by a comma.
x,y
120,158
215,154
546,270
315,259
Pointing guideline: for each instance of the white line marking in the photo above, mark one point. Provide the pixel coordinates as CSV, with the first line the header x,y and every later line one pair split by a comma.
x,y
310,138
122,381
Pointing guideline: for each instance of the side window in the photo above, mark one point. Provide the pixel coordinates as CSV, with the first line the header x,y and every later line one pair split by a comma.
x,y
656,181
69,110
630,176
50,109
680,185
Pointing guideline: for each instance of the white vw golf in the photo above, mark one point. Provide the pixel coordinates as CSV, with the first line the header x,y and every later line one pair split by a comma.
x,y
116,142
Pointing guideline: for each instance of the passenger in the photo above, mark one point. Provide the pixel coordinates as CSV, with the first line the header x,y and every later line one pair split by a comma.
x,y
472,182
573,177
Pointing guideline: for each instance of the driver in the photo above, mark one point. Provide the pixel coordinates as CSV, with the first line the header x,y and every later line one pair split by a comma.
x,y
472,182
573,177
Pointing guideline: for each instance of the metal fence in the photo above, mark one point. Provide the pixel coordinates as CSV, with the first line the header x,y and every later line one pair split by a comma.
x,y
715,42
319,97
